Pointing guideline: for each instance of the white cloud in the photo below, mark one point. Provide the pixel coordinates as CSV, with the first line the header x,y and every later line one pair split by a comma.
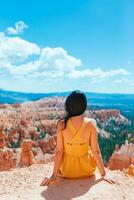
x,y
14,49
58,59
19,28
21,59
52,63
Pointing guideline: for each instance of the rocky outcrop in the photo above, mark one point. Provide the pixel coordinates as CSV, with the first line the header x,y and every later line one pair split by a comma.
x,y
49,126
37,151
2,139
26,157
130,170
48,145
122,158
7,159
104,114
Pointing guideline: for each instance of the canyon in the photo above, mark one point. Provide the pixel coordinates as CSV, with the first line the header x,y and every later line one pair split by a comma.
x,y
27,146
28,130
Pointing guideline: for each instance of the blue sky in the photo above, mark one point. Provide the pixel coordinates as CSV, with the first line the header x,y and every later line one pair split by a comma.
x,y
61,45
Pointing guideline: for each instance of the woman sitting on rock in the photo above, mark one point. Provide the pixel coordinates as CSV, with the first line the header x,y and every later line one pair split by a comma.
x,y
77,151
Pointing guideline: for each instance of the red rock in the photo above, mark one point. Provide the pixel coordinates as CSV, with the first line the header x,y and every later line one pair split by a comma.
x,y
114,161
132,159
130,170
124,161
122,158
2,140
7,160
16,105
27,157
1,160
3,106
24,123
48,145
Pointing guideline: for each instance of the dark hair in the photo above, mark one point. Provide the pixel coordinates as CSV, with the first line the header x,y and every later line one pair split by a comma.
x,y
75,104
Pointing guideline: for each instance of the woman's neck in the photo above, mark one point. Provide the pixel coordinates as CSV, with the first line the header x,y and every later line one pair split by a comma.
x,y
77,118
77,121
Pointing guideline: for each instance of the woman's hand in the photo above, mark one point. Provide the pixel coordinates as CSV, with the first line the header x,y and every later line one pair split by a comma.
x,y
46,181
108,179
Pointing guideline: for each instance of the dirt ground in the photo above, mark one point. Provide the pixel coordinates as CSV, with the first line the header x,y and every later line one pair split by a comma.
x,y
24,184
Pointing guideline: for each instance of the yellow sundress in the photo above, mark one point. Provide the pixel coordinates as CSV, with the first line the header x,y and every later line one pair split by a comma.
x,y
77,159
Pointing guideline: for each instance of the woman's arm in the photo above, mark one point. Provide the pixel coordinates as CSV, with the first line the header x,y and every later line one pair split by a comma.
x,y
58,156
59,149
96,150
97,154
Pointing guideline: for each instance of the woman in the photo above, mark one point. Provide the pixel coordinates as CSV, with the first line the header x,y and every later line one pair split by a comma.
x,y
77,151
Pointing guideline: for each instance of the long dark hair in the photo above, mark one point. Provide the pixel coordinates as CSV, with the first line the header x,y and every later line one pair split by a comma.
x,y
75,104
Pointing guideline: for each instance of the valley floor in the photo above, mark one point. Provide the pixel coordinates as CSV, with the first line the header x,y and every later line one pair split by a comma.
x,y
23,184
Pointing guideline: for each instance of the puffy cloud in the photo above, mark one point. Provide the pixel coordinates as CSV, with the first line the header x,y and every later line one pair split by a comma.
x,y
20,58
15,49
19,28
58,59
52,63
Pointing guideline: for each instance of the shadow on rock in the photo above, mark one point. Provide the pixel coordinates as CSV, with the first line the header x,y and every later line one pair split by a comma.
x,y
66,189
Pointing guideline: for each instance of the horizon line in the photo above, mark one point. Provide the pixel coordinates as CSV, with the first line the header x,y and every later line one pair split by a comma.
x,y
69,91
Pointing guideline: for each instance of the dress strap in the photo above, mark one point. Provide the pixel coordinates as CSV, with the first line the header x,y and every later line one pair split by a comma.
x,y
73,130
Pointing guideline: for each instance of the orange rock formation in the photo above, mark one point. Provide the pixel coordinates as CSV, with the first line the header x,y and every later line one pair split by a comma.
x,y
131,170
7,160
122,158
27,157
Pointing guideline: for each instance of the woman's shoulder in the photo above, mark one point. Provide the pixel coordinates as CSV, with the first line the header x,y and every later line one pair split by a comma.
x,y
60,124
91,122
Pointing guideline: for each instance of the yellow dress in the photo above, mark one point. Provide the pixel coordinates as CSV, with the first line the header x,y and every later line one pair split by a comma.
x,y
77,159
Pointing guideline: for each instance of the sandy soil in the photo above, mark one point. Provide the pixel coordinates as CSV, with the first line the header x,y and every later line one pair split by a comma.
x,y
23,184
